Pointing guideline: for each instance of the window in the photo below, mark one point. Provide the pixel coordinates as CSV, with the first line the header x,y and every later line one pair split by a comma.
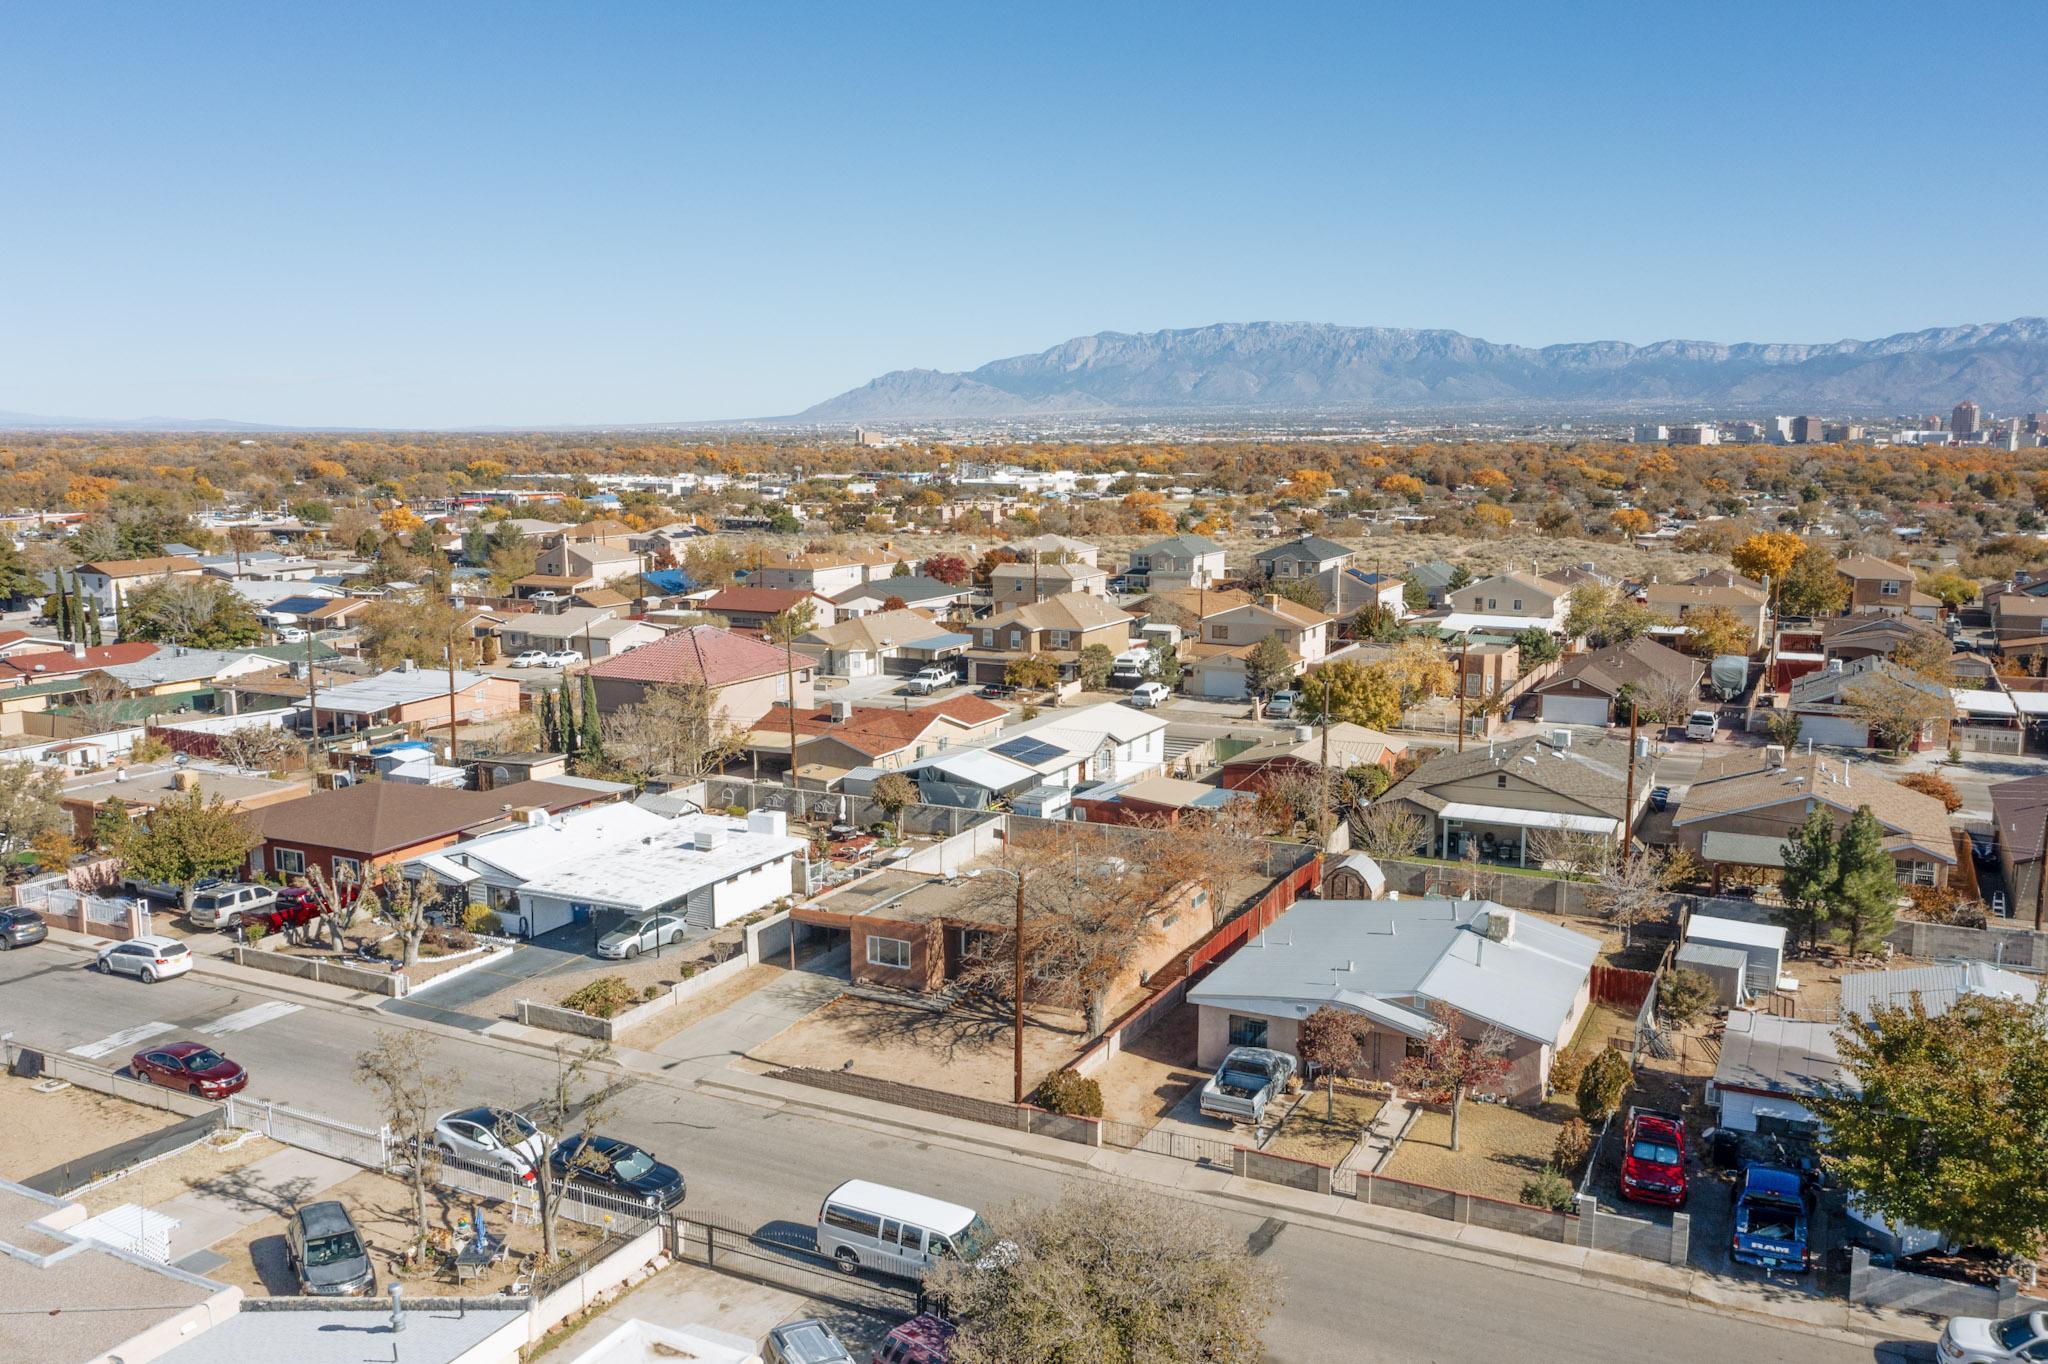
x,y
1413,1047
847,1220
1500,780
889,952
1219,632
1915,873
1062,638
1518,604
988,639
1492,602
1889,587
290,862
1247,1032
348,868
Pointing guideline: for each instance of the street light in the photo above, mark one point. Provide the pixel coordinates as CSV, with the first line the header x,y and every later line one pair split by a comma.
x,y
1017,992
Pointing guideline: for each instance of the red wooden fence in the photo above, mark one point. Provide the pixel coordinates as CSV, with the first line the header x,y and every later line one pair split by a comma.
x,y
1621,987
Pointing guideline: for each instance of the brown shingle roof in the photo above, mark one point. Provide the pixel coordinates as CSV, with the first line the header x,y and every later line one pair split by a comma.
x,y
136,568
1747,781
758,600
1644,662
703,655
377,818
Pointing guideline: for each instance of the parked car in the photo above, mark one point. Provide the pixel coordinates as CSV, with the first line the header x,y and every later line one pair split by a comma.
x,y
167,890
924,1339
1653,1158
563,658
872,1226
492,1136
1983,1340
1149,695
618,1167
290,634
294,907
929,680
191,1066
229,903
21,927
805,1342
644,934
1248,1080
1701,725
1770,1219
327,1254
530,658
994,690
151,958
1282,705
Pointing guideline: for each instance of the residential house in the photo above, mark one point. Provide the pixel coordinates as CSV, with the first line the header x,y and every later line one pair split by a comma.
x,y
1511,798
139,788
917,592
1351,592
1309,749
1879,586
839,736
174,670
1586,687
1826,703
1771,1069
751,608
963,778
1178,561
2019,618
898,641
1676,602
1388,961
1055,549
1306,556
297,608
829,574
565,567
1059,628
1154,802
1435,580
112,579
412,695
743,676
593,631
1507,601
354,830
1188,609
1012,585
47,665
605,866
2019,815
1742,806
1807,646
1938,988
1104,743
1217,665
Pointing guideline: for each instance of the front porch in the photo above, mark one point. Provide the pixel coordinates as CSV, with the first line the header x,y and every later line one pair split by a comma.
x,y
1504,835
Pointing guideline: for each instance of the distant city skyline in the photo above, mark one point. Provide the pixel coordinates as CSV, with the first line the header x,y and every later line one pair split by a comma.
x,y
398,216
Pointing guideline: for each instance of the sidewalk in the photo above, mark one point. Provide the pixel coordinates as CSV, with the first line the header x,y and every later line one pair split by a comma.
x,y
272,1187
1604,1269
224,968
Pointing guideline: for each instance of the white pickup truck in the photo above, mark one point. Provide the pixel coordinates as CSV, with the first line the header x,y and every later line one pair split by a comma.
x,y
929,680
1701,725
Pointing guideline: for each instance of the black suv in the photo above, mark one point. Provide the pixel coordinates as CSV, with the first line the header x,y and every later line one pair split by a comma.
x,y
327,1254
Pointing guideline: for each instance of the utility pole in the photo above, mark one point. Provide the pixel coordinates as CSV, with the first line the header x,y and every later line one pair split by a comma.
x,y
1017,1021
1628,800
453,732
1328,797
1464,642
2041,876
312,694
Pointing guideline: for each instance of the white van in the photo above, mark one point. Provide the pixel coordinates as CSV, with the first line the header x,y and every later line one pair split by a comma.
x,y
872,1226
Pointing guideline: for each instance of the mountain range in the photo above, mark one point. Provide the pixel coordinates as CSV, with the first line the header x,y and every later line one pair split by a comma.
x,y
1313,367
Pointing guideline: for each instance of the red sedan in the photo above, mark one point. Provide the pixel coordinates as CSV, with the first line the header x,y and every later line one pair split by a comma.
x,y
191,1066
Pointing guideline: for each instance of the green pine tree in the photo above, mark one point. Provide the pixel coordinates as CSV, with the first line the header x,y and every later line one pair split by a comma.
x,y
120,616
1867,890
1811,872
550,735
592,737
92,620
81,612
565,718
60,611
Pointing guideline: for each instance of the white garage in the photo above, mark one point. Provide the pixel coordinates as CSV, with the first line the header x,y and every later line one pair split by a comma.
x,y
1835,731
1566,709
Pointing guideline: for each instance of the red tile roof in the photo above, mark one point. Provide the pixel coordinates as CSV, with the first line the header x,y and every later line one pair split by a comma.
x,y
703,654
59,662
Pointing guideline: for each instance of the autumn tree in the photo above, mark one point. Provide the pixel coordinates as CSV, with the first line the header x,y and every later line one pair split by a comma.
x,y
1715,630
1896,709
1389,831
675,729
1347,692
1331,1040
1631,521
1936,1120
187,838
1035,672
1949,587
1936,785
1451,1065
1767,555
259,747
1811,585
1107,1273
949,569
30,803
417,627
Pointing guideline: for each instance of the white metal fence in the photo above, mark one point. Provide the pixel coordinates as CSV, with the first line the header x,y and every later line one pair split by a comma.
x,y
369,1147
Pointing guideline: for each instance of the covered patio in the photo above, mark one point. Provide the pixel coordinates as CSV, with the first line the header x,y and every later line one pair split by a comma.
x,y
1501,832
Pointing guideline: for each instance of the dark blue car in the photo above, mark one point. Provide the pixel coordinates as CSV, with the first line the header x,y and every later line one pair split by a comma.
x,y
618,1167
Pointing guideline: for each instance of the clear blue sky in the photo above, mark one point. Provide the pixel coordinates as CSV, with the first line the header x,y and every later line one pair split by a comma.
x,y
448,214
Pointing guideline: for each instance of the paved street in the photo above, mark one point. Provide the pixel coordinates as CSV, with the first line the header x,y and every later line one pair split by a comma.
x,y
1351,1295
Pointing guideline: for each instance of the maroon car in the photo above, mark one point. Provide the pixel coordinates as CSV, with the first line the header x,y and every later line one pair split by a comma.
x,y
191,1066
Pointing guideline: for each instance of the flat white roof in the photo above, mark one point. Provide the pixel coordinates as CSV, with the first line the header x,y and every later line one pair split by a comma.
x,y
1707,928
642,872
1984,702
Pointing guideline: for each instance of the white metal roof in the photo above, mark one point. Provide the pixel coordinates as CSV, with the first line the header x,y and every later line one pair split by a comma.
x,y
1708,928
1530,819
1980,702
645,871
398,687
1458,622
2030,702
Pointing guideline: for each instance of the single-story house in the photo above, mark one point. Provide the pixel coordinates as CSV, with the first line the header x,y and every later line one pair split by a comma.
x,y
1160,801
593,631
751,608
142,787
1825,702
1346,746
1388,961
1585,688
1938,988
354,830
1769,1068
743,675
1510,795
882,641
412,695
917,592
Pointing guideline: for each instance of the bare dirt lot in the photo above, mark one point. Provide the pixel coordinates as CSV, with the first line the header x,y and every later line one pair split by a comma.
x,y
697,1008
39,1131
965,1050
1143,1082
383,1212
205,1164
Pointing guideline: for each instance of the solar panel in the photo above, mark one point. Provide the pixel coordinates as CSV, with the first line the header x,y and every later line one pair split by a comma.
x,y
1030,752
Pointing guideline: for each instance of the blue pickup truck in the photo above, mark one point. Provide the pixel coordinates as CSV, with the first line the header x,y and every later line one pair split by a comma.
x,y
1771,1219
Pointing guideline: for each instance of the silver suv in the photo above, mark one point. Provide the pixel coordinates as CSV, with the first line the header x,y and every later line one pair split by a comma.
x,y
229,903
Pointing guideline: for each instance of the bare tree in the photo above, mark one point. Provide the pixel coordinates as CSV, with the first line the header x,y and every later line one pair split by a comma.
x,y
398,1070
1578,855
675,730
1332,1039
1453,1065
1389,830
580,1094
1633,892
100,707
340,901
259,747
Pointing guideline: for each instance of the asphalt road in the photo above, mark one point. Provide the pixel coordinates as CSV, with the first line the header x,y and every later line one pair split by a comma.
x,y
1344,1297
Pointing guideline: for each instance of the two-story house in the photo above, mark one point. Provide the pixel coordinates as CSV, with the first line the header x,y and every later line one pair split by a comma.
x,y
1175,562
1055,549
1217,668
1058,627
1022,584
1306,556
1881,587
565,567
108,579
1508,601
829,574
1674,602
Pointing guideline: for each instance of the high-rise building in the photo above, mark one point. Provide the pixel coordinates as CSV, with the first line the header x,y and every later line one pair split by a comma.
x,y
1808,430
2038,424
1780,430
1963,421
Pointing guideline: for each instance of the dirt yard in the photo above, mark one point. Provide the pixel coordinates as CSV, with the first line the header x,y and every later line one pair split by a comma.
x,y
966,1050
39,1131
1148,1077
697,1008
210,1162
1502,1148
1312,1132
382,1208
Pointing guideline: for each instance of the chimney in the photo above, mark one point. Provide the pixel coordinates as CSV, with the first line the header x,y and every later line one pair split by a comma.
x,y
78,648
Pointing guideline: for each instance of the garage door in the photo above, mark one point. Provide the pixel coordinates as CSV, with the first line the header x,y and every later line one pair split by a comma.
x,y
1225,684
1575,710
1837,731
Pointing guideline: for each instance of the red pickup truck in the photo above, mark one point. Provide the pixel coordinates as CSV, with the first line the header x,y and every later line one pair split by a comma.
x,y
297,906
1653,1158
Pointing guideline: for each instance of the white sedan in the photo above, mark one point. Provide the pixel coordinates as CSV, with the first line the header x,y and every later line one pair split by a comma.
x,y
492,1136
1980,1340
562,658
532,658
